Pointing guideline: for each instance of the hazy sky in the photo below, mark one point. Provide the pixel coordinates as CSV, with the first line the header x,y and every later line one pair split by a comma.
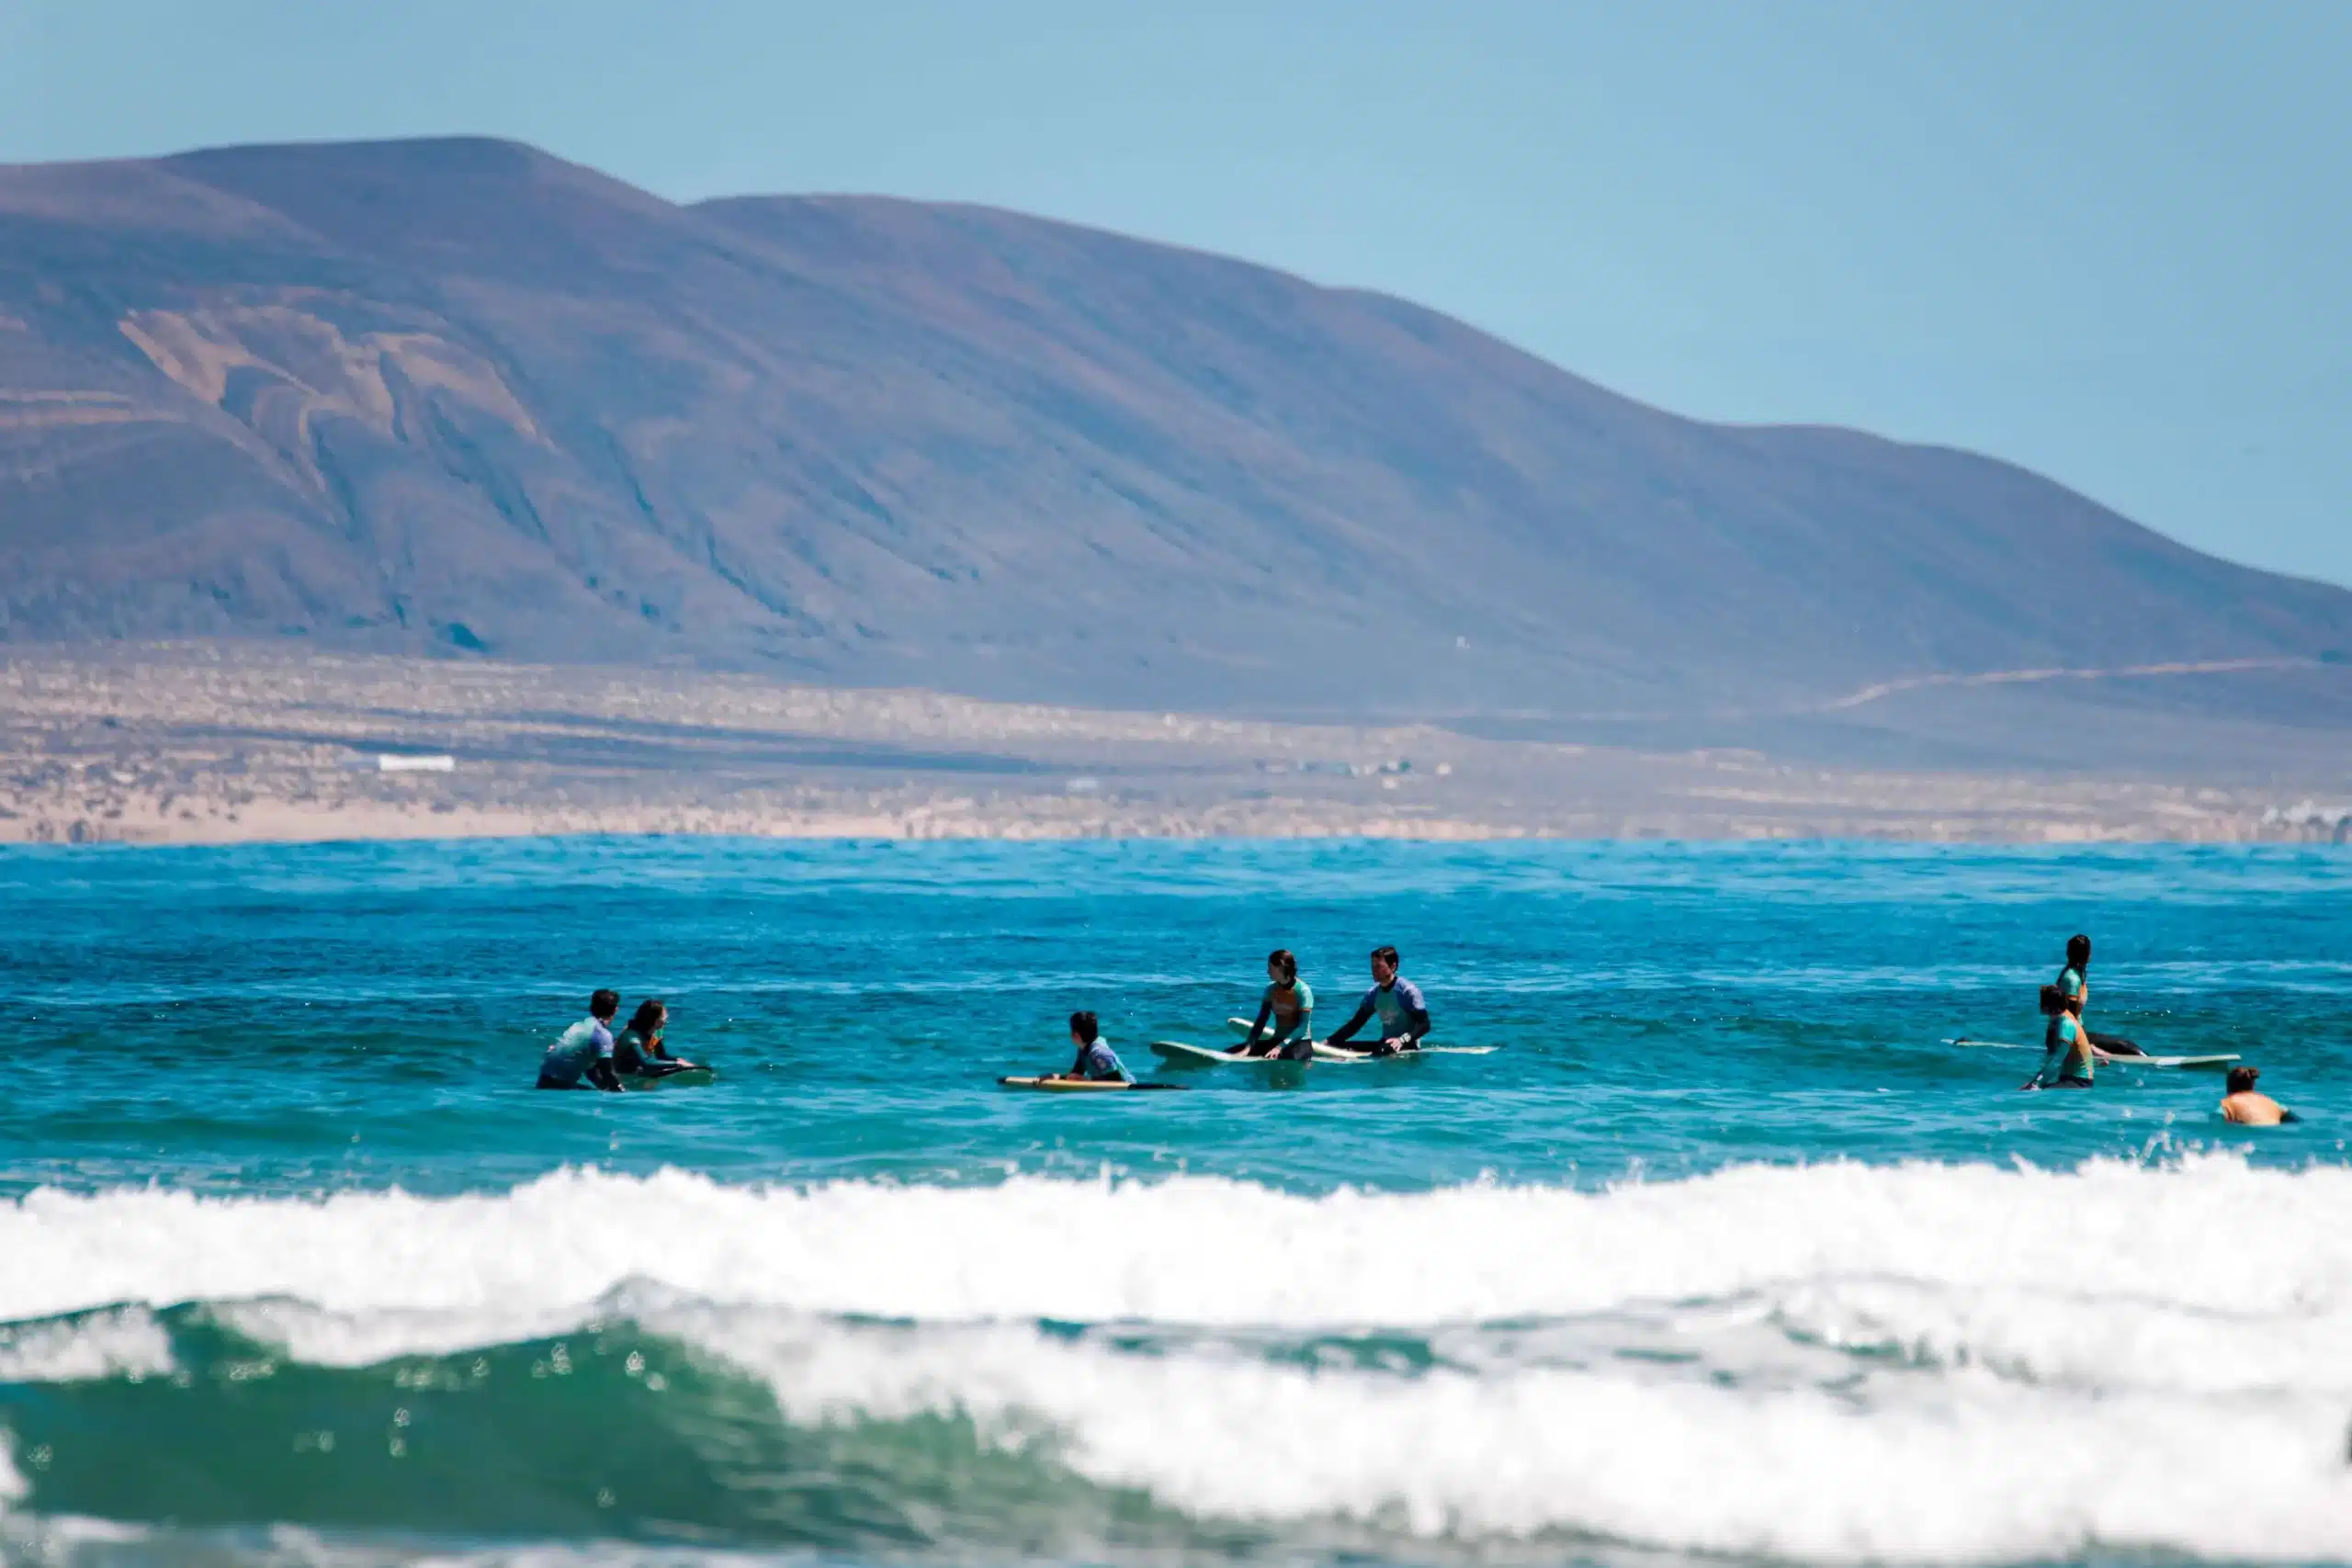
x,y
2112,242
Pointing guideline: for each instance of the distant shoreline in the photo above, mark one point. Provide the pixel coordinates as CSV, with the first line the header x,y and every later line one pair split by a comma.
x,y
223,744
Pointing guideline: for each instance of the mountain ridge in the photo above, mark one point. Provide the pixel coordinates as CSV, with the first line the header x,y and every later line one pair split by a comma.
x,y
460,394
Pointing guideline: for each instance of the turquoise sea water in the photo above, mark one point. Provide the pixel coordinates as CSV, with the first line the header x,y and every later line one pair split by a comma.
x,y
1725,1252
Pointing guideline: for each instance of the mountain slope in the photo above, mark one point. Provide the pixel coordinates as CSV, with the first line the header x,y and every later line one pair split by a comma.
x,y
460,394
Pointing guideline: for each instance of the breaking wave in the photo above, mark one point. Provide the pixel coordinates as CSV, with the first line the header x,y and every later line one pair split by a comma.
x,y
1923,1363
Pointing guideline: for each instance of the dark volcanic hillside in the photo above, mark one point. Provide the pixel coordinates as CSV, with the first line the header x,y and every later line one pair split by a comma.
x,y
460,394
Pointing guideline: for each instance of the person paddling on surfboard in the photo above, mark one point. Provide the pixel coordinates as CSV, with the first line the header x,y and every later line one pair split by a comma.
x,y
640,1051
2074,981
1285,1024
2248,1107
1404,1015
585,1051
1097,1063
2066,1053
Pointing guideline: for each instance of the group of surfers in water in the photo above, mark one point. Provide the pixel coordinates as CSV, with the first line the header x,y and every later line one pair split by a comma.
x,y
2070,1051
1284,1027
588,1056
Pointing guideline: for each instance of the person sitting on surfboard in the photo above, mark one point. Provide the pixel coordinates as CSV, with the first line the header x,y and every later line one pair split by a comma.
x,y
1404,1015
2074,981
1289,1007
1097,1063
2066,1053
2243,1105
585,1051
640,1050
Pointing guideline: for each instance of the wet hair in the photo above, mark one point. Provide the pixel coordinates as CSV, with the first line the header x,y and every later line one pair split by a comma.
x,y
2078,951
647,1017
2054,1001
1082,1024
1386,955
1282,958
2241,1080
604,1004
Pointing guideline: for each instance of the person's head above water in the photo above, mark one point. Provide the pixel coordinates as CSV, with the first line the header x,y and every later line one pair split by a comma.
x,y
2241,1080
1083,1029
604,1005
648,1017
2078,952
1282,965
1383,964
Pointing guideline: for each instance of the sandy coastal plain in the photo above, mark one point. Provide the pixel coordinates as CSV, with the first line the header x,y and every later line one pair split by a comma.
x,y
219,743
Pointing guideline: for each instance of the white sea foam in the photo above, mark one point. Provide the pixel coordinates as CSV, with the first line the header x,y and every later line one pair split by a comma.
x,y
2211,1236
1893,1466
128,1342
2155,1359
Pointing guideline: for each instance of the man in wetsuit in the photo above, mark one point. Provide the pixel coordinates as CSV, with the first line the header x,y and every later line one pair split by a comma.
x,y
1404,1016
585,1051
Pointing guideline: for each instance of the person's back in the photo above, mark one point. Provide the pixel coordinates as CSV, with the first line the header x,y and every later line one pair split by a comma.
x,y
1096,1063
2248,1106
2066,1058
584,1051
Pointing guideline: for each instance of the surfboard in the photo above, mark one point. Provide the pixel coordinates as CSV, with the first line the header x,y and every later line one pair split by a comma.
x,y
1341,1053
2211,1063
1177,1051
691,1077
1182,1054
1240,1026
1080,1086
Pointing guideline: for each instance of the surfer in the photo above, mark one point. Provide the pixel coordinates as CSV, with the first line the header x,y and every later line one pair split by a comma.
x,y
2243,1105
2066,1053
2074,981
1285,1022
640,1051
1404,1015
1096,1063
585,1050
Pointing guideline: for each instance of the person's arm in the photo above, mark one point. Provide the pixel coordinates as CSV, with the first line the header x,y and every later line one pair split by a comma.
x,y
603,1065
1249,1046
1347,1030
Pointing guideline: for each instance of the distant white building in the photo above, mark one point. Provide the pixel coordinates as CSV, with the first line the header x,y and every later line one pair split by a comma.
x,y
388,763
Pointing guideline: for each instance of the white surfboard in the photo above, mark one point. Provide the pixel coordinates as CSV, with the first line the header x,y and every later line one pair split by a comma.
x,y
2186,1063
1183,1054
1323,1053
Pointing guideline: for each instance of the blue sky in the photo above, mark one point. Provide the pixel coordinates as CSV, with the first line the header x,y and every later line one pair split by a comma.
x,y
2112,242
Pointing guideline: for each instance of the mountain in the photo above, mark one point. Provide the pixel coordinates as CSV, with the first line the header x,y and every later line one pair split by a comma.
x,y
463,395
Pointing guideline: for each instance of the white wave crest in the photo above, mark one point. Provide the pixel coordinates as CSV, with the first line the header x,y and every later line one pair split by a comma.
x,y
1890,1466
2211,1236
1839,1363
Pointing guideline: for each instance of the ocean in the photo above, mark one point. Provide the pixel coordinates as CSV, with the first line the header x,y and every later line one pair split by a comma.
x,y
1727,1253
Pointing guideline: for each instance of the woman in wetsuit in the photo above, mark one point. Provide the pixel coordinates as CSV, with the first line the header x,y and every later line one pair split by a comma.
x,y
1285,1022
2068,1059
2074,980
640,1049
